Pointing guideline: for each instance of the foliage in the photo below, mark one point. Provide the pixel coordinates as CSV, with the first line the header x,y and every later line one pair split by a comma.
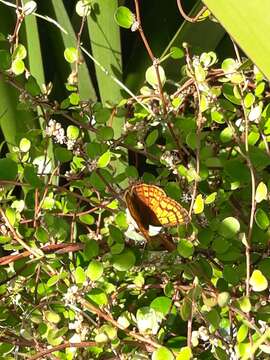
x,y
76,280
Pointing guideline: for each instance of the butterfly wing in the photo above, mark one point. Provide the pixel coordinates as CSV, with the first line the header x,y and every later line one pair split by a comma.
x,y
170,213
164,211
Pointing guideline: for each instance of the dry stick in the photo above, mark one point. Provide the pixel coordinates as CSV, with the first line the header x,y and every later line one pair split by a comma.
x,y
37,210
17,237
66,345
198,148
156,65
198,132
79,44
253,190
151,55
110,319
62,189
188,18
20,17
55,248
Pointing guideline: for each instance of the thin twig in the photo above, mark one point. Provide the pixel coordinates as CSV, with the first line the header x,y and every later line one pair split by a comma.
x,y
188,18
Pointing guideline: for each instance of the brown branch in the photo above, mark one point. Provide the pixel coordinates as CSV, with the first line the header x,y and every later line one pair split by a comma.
x,y
63,346
53,248
188,18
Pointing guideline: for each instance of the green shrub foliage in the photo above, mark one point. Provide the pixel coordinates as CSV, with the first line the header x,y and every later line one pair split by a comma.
x,y
77,281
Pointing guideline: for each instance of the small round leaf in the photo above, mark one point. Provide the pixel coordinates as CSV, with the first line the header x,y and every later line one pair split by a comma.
x,y
71,54
162,353
124,17
185,248
94,270
262,219
261,192
124,261
8,169
198,204
258,281
151,76
25,145
229,227
104,159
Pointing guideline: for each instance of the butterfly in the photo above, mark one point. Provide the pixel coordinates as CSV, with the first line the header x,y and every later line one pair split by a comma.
x,y
149,205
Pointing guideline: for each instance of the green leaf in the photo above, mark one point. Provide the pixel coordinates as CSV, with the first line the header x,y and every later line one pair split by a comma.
x,y
152,138
53,280
8,169
5,60
244,304
20,52
226,135
79,275
162,353
258,281
223,299
262,219
228,92
31,176
229,65
261,192
213,317
25,145
231,275
74,98
237,170
105,133
245,31
71,54
73,132
264,267
94,270
87,219
52,317
104,159
186,308
5,349
200,73
242,333
102,116
91,249
210,198
185,248
121,220
124,261
132,172
62,154
29,7
229,227
124,17
191,140
11,215
176,52
32,86
98,296
162,304
151,76
220,245
198,204
185,353
249,100
17,67
83,8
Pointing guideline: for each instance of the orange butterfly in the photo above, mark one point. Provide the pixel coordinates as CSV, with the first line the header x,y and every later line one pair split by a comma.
x,y
149,205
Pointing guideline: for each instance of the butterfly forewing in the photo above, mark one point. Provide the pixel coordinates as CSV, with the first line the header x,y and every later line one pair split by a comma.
x,y
151,206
